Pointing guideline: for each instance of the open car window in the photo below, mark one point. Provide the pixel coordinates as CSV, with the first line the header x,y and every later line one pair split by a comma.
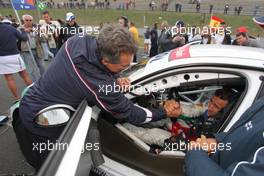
x,y
194,91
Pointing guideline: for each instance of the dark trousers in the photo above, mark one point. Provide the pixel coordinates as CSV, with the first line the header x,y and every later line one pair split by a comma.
x,y
135,58
28,142
153,51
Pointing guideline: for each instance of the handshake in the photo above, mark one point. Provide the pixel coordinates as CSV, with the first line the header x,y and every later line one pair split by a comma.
x,y
172,108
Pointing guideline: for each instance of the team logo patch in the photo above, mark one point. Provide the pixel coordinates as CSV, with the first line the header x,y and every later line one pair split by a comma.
x,y
249,125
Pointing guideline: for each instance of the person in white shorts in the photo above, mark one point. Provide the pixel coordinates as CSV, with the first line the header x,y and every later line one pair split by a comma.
x,y
147,41
10,59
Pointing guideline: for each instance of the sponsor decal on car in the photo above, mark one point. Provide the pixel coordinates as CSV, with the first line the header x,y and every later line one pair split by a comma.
x,y
180,53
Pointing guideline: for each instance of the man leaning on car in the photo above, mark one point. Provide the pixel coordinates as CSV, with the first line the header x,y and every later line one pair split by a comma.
x,y
82,66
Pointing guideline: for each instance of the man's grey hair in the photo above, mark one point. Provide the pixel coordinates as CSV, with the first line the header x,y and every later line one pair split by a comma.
x,y
26,15
114,40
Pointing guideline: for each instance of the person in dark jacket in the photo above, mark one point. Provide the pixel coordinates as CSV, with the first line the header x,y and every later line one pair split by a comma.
x,y
232,153
10,59
69,29
154,41
244,39
165,38
179,35
83,69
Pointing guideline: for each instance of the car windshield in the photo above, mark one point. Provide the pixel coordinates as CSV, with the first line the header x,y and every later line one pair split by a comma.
x,y
137,68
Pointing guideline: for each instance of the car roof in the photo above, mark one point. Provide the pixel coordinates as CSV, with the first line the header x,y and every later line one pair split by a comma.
x,y
237,56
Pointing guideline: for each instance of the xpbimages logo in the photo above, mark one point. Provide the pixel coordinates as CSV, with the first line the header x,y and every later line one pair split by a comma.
x,y
42,147
206,30
49,30
146,90
212,147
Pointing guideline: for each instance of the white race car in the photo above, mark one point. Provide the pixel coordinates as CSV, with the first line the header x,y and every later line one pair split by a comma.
x,y
190,74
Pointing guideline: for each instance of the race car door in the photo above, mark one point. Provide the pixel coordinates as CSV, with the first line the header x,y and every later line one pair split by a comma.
x,y
77,149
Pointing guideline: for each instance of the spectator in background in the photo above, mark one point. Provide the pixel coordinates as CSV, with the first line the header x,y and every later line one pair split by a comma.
x,y
123,6
127,4
1,18
256,10
101,26
69,29
206,39
153,4
171,39
123,21
147,41
198,7
164,5
206,36
35,65
211,6
133,3
49,32
181,36
10,59
227,39
178,7
154,40
236,9
150,6
194,36
108,4
134,32
242,38
241,29
226,8
165,38
239,10
222,36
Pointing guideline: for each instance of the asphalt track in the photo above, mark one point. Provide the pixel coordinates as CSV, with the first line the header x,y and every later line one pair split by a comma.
x,y
11,159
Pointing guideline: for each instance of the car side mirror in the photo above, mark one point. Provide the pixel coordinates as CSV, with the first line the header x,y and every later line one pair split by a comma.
x,y
54,116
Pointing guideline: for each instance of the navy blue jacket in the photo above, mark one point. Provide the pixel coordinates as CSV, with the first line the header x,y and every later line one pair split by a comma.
x,y
154,37
8,39
77,74
244,138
